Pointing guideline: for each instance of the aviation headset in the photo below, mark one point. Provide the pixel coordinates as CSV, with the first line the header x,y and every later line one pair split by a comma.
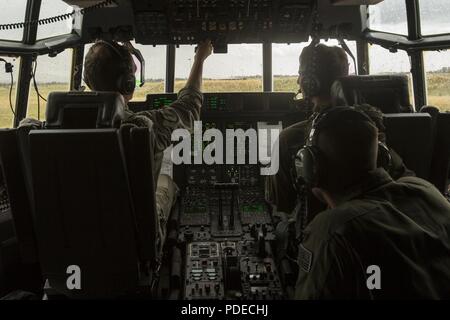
x,y
310,160
311,84
126,83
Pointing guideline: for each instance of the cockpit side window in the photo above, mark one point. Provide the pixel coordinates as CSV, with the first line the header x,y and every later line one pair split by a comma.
x,y
434,17
52,74
12,11
8,92
389,16
52,8
437,67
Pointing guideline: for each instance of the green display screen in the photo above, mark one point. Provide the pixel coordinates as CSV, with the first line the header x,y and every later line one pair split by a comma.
x,y
256,208
162,102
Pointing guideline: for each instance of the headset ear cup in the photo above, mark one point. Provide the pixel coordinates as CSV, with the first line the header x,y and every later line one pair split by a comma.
x,y
132,83
126,84
384,157
129,84
309,166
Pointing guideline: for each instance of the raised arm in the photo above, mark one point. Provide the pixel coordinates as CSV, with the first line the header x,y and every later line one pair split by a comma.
x,y
204,50
182,113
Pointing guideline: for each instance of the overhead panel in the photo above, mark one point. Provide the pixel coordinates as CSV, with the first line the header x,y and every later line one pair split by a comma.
x,y
156,22
233,21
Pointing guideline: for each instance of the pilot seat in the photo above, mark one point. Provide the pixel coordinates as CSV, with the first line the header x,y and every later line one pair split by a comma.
x,y
389,93
95,199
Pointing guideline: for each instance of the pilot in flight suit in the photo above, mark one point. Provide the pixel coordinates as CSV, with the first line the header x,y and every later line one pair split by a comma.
x,y
326,65
380,238
101,75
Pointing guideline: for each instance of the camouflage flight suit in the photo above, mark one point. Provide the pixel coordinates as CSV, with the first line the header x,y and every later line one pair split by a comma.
x,y
179,115
402,227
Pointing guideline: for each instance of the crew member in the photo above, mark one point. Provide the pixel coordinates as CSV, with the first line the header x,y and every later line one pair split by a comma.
x,y
380,238
320,67
109,66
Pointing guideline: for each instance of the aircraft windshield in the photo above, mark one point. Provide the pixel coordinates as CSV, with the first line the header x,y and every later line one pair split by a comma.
x,y
238,70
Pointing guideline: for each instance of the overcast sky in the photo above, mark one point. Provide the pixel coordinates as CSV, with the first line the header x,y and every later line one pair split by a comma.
x,y
242,60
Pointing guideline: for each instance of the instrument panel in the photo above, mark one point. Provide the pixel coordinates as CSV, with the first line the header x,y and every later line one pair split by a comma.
x,y
227,227
222,226
233,104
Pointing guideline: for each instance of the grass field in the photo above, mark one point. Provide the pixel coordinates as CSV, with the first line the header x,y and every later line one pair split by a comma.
x,y
438,92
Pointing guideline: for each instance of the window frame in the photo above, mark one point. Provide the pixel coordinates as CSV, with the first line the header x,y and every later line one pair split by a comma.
x,y
266,73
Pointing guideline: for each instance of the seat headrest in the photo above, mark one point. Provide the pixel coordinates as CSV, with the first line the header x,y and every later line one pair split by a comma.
x,y
389,93
84,110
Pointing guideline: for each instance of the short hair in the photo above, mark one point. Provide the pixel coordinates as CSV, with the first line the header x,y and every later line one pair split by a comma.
x,y
102,66
349,151
331,63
